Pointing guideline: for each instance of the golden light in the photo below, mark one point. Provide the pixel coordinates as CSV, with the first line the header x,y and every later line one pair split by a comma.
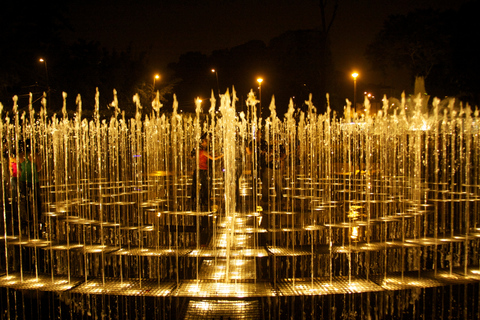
x,y
155,78
354,233
216,77
260,80
355,75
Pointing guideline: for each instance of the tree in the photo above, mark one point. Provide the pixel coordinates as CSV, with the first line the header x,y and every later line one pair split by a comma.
x,y
465,65
327,19
434,45
290,66
27,32
417,41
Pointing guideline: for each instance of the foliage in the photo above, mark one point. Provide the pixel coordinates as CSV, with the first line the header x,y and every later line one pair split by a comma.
x,y
290,66
436,45
78,68
417,41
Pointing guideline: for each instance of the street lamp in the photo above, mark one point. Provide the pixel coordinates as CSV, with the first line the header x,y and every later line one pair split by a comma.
x,y
216,76
46,72
155,78
260,80
355,75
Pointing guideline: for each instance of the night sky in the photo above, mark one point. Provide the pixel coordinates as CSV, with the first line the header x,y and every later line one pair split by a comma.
x,y
169,28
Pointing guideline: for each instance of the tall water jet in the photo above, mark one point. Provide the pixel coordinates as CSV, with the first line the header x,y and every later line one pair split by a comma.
x,y
377,213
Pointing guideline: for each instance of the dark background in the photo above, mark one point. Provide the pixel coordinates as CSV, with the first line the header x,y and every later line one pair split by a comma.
x,y
295,47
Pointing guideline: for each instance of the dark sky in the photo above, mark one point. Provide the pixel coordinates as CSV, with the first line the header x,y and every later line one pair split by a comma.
x,y
170,28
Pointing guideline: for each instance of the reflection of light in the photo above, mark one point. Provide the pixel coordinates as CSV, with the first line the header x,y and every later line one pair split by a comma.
x,y
203,305
354,234
38,285
159,174
133,292
194,289
223,289
239,262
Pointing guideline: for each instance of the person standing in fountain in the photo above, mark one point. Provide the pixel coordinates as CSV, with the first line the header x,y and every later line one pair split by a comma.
x,y
202,191
203,174
30,165
257,150
14,171
272,176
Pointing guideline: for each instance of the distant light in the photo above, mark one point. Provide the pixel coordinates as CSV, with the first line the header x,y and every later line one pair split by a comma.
x,y
213,70
260,80
355,75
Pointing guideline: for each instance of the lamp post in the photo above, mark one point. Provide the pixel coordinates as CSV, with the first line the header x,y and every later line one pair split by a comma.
x,y
260,80
216,77
46,72
355,75
155,78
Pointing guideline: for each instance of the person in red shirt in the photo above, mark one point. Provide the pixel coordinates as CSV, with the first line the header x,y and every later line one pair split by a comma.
x,y
203,174
14,173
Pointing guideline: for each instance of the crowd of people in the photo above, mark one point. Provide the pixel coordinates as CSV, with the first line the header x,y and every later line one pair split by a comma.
x,y
265,162
23,188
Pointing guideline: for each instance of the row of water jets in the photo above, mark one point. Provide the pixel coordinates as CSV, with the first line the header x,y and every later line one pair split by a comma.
x,y
364,200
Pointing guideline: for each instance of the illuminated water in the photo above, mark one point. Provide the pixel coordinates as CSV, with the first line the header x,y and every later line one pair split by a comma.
x,y
375,216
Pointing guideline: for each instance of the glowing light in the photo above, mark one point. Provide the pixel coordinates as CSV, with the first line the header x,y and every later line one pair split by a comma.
x,y
354,234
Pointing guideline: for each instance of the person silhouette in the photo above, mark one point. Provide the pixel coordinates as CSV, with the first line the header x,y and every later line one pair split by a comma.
x,y
30,165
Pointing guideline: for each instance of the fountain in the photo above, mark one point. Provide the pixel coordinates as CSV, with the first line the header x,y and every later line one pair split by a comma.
x,y
371,216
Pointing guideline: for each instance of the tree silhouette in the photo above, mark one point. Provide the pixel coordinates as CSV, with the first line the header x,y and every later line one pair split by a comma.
x,y
417,41
290,66
436,45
